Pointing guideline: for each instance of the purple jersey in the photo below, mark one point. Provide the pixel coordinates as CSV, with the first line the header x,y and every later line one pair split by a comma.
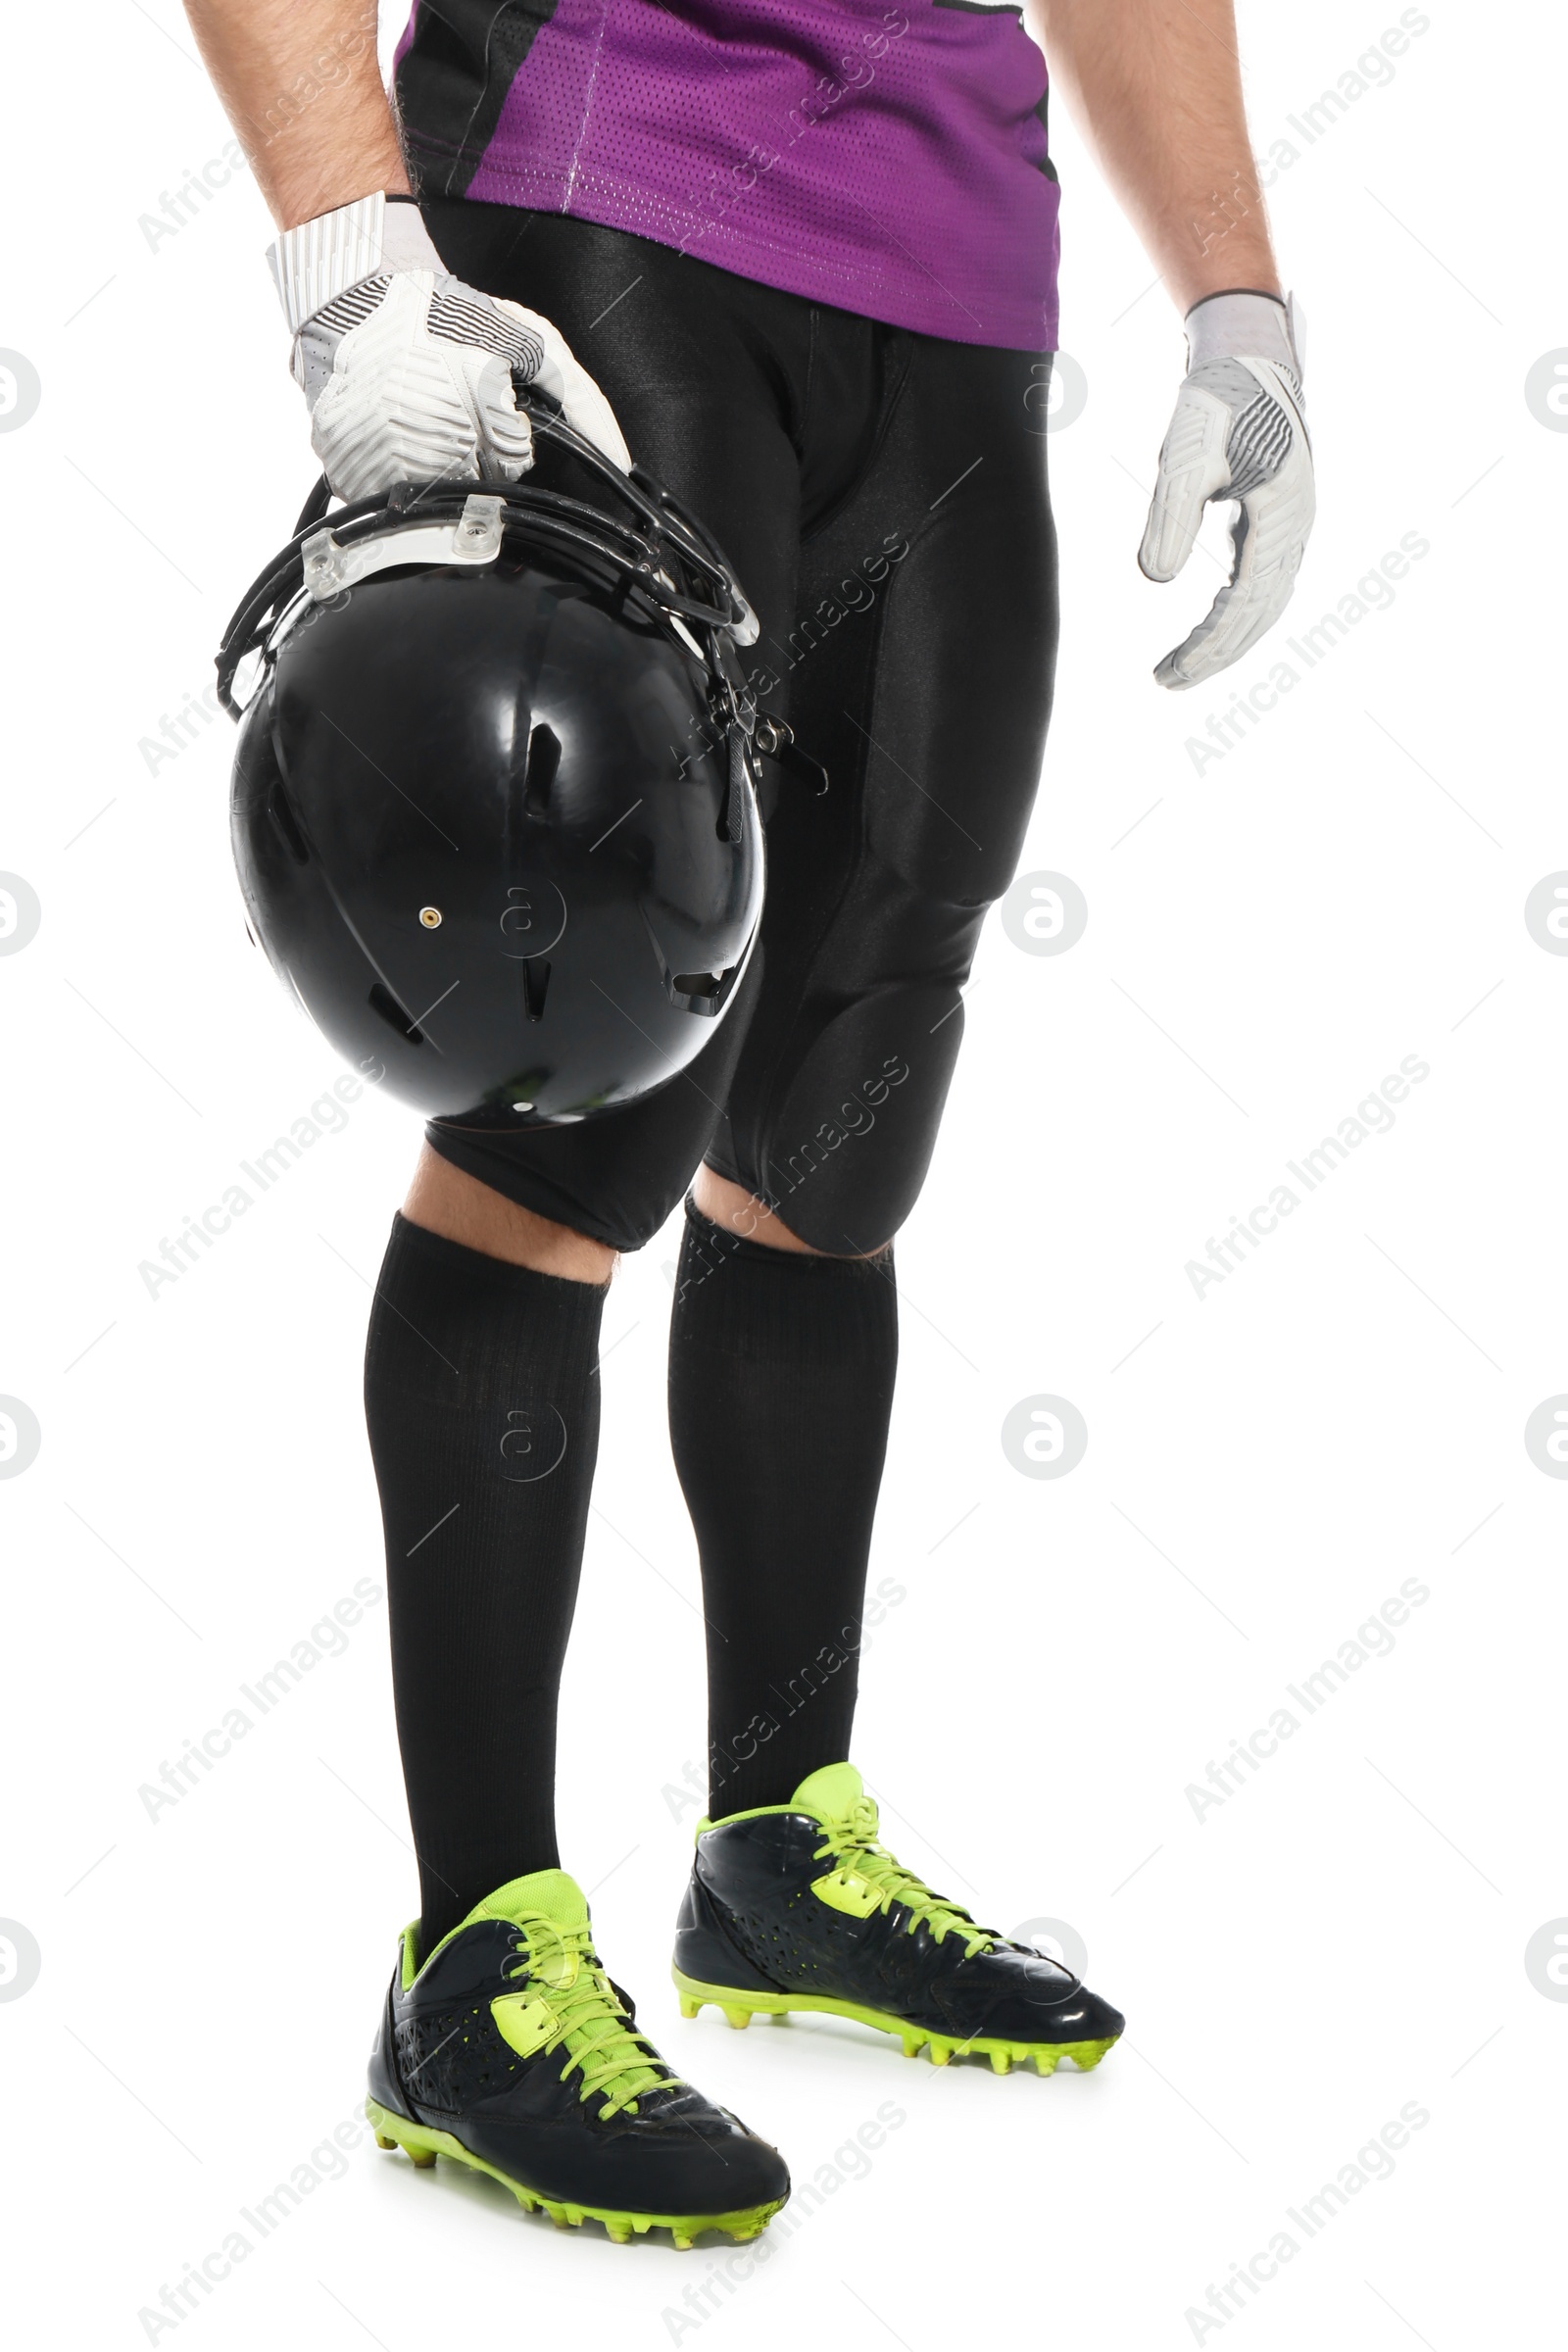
x,y
887,160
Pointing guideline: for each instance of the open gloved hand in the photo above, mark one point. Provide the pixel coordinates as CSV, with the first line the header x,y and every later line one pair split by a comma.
x,y
1239,432
408,372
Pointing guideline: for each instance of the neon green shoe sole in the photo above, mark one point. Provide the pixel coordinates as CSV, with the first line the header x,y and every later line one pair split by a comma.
x,y
423,2145
741,2007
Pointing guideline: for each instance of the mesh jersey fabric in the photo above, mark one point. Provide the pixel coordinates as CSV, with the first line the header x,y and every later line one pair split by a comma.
x,y
891,161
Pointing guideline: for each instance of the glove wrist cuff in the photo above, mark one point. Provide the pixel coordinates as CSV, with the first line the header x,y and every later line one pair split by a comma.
x,y
314,264
1242,325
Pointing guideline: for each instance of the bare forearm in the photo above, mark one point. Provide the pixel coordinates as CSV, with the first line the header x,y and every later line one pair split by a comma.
x,y
1155,86
300,82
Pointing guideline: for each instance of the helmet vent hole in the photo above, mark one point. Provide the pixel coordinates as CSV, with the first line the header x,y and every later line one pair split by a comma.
x,y
385,1004
544,758
535,985
701,992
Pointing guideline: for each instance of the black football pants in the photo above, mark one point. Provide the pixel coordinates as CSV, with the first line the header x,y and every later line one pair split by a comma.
x,y
882,497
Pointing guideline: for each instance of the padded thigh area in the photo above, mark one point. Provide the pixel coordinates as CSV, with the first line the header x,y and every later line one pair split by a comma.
x,y
919,672
883,497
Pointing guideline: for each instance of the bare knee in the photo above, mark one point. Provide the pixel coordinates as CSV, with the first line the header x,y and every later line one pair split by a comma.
x,y
444,1200
734,1210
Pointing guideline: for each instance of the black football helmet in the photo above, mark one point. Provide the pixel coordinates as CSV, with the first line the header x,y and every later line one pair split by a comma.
x,y
494,800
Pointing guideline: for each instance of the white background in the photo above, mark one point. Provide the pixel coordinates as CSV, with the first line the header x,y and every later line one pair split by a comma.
x,y
1345,1934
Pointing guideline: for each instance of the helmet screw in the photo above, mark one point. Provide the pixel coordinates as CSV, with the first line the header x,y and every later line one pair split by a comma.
x,y
430,917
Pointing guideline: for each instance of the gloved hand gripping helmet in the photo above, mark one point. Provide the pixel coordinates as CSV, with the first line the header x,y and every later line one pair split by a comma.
x,y
494,800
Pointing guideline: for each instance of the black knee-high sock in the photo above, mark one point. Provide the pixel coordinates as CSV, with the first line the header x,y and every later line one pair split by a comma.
x,y
781,1371
482,1401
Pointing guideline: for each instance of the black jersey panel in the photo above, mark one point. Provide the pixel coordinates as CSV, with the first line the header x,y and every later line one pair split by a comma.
x,y
452,83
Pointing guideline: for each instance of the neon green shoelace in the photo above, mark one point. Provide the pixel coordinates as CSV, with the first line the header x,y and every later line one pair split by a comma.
x,y
851,1842
592,2027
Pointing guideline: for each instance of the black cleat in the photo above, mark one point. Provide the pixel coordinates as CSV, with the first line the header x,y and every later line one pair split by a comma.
x,y
797,1906
510,2051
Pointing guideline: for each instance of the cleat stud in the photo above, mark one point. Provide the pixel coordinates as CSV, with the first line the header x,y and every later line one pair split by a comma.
x,y
911,2044
1002,2062
688,2006
683,2243
422,2158
620,2232
1046,2061
740,2019
383,2142
941,2052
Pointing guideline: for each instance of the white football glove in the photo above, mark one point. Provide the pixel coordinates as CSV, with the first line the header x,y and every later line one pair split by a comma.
x,y
1239,432
407,371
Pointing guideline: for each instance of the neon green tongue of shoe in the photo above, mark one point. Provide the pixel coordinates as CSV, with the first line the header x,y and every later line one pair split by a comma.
x,y
564,2000
830,1792
544,1894
836,1795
